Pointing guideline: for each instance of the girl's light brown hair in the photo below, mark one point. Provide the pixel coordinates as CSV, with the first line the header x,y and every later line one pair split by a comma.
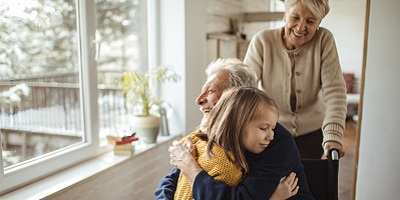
x,y
227,122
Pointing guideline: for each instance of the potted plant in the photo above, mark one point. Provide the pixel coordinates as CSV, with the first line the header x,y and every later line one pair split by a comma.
x,y
138,89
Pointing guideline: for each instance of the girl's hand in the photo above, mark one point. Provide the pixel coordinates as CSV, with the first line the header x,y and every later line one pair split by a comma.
x,y
286,188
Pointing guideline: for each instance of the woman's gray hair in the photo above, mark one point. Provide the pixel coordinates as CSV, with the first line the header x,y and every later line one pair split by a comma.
x,y
319,8
240,73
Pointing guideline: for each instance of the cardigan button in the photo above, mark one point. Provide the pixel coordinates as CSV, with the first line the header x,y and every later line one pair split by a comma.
x,y
298,91
298,73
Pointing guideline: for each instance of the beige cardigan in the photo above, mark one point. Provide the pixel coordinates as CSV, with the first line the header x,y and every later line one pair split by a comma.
x,y
319,83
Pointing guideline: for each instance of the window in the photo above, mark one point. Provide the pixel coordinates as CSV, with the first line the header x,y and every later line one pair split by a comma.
x,y
69,54
277,6
122,35
40,50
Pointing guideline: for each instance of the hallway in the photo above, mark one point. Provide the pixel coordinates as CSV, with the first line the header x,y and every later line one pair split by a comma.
x,y
346,164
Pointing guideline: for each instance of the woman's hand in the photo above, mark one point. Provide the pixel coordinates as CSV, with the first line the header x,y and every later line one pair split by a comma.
x,y
182,158
287,188
333,145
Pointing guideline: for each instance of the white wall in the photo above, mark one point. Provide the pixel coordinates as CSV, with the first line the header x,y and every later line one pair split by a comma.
x,y
195,55
183,45
379,161
219,12
346,21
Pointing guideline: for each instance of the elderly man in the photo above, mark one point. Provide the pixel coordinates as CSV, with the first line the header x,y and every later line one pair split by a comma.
x,y
266,169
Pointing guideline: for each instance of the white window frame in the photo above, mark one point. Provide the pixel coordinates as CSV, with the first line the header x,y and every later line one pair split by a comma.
x,y
90,147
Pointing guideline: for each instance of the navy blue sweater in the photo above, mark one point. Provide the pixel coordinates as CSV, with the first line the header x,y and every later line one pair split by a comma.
x,y
266,169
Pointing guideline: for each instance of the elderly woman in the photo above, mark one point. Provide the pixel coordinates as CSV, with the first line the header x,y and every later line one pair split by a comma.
x,y
298,65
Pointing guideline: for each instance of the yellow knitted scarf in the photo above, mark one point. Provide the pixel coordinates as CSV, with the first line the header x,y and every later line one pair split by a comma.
x,y
219,167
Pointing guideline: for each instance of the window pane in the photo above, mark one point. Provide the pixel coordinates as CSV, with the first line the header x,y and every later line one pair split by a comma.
x,y
279,6
38,50
121,33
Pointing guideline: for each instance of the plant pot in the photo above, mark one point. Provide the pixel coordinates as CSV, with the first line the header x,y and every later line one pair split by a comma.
x,y
146,128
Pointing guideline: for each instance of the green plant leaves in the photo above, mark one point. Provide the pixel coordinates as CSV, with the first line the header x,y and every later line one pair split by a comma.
x,y
136,86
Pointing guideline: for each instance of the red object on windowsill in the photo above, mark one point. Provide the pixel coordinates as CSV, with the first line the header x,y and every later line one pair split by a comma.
x,y
126,140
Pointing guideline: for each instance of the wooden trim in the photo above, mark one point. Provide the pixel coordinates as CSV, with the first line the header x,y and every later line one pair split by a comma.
x,y
358,131
218,48
263,16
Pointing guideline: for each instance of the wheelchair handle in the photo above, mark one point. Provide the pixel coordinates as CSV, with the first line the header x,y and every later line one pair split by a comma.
x,y
334,154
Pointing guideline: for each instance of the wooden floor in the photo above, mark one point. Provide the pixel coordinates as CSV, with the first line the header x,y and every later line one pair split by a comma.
x,y
346,164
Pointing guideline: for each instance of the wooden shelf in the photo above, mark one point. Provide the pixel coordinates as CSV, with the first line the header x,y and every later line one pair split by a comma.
x,y
263,16
222,36
228,45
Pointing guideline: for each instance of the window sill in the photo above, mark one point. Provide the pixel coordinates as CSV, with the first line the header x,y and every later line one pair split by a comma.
x,y
78,173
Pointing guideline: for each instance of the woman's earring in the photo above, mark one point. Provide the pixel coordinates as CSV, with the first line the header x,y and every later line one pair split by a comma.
x,y
318,29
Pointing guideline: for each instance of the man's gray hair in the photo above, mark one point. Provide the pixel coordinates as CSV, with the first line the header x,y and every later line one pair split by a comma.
x,y
240,73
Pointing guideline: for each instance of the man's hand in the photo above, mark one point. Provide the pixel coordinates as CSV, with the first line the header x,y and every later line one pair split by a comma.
x,y
333,145
182,158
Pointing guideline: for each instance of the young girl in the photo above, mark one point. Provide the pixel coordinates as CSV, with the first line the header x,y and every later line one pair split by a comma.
x,y
240,125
